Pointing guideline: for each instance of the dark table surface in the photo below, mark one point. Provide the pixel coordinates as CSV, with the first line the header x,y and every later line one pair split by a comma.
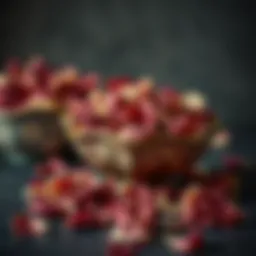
x,y
236,242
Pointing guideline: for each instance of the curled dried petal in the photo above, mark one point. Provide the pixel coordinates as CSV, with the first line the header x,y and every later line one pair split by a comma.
x,y
20,225
38,226
13,69
83,219
194,101
187,244
114,84
14,96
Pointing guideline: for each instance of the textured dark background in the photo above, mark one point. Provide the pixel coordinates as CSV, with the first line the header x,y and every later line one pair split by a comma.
x,y
202,44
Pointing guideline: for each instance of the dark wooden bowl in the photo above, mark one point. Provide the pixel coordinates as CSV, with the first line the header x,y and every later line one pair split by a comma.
x,y
150,159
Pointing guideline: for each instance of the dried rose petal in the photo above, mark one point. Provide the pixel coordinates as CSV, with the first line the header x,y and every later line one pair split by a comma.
x,y
204,116
104,195
13,69
106,214
145,208
230,215
208,208
68,91
41,72
20,225
40,207
79,112
38,226
24,226
74,89
117,83
139,122
83,219
85,179
201,208
101,198
65,185
169,100
119,250
223,184
52,167
97,196
184,126
221,140
123,249
83,199
133,114
89,82
14,96
194,101
136,213
187,244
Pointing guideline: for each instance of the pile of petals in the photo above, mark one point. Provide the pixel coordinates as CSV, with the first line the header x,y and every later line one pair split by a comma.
x,y
133,212
134,125
134,110
35,85
152,136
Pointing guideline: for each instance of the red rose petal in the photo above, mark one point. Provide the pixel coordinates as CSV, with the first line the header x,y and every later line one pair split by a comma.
x,y
169,100
195,242
106,214
77,89
44,209
187,244
104,195
38,67
13,69
139,121
116,83
134,115
231,215
38,226
14,96
102,199
184,126
52,167
122,249
67,91
83,219
20,225
89,82
65,185
181,126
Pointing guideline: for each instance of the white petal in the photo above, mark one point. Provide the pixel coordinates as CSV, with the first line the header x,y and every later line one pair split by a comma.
x,y
221,140
130,93
125,160
117,235
177,244
194,101
39,226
